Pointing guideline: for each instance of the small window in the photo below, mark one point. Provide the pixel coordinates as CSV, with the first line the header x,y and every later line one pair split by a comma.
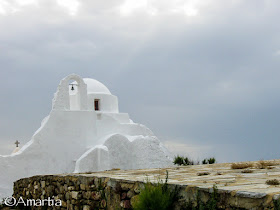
x,y
96,105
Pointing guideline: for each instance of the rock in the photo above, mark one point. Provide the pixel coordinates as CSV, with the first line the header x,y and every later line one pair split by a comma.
x,y
125,204
123,196
43,184
130,194
126,186
67,195
276,197
82,187
87,195
86,207
137,189
245,194
96,196
64,204
74,195
71,188
103,203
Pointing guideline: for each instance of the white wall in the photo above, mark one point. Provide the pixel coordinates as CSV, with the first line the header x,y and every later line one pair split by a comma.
x,y
107,103
54,148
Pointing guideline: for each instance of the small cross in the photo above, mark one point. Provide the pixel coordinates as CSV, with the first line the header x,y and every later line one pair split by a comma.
x,y
17,143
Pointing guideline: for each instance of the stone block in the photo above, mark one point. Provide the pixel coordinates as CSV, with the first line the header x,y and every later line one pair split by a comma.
x,y
74,194
43,184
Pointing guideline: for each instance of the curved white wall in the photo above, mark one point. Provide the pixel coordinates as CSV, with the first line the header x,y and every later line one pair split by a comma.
x,y
107,103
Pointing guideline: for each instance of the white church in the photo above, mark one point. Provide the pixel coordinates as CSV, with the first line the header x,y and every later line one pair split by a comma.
x,y
84,132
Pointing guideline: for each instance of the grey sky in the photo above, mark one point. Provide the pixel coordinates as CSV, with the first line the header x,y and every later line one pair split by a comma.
x,y
203,75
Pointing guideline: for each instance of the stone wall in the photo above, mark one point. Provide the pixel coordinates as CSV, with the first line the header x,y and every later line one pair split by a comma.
x,y
79,192
87,191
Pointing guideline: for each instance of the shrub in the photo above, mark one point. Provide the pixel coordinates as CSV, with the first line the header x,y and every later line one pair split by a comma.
x,y
241,165
178,160
188,161
276,204
272,182
156,196
209,161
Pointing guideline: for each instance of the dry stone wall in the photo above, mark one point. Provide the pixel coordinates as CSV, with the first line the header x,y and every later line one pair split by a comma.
x,y
79,192
86,192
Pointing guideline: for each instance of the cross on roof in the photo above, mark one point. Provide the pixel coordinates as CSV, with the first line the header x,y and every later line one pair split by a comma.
x,y
17,143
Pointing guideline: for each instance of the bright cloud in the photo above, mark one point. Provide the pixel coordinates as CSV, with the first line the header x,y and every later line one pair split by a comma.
x,y
70,5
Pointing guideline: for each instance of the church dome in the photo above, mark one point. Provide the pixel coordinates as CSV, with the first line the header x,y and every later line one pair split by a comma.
x,y
94,86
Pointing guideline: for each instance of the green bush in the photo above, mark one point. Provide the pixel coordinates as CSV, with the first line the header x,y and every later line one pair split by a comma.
x,y
188,161
180,160
204,161
156,196
276,204
209,161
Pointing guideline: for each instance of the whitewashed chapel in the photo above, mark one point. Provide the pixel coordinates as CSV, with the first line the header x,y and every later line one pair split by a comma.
x,y
83,132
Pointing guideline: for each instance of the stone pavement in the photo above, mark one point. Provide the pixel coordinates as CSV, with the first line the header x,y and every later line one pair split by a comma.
x,y
221,175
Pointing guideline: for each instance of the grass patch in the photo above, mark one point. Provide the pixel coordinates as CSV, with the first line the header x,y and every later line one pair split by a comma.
x,y
241,165
156,196
272,182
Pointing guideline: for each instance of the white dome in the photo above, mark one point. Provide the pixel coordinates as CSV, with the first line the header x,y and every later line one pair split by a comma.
x,y
94,86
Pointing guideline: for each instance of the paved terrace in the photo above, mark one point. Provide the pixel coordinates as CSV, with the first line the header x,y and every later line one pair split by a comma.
x,y
233,180
238,189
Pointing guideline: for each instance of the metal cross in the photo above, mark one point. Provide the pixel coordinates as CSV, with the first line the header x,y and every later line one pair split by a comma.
x,y
17,143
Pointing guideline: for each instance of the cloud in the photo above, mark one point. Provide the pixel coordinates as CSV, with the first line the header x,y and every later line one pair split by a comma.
x,y
201,70
193,151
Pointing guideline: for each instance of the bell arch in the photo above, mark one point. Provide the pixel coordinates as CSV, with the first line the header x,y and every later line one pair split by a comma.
x,y
64,100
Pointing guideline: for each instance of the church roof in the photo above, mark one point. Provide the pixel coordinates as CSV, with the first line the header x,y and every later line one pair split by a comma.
x,y
94,86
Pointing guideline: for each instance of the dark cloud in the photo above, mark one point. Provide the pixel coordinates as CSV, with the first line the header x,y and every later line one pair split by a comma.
x,y
209,80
